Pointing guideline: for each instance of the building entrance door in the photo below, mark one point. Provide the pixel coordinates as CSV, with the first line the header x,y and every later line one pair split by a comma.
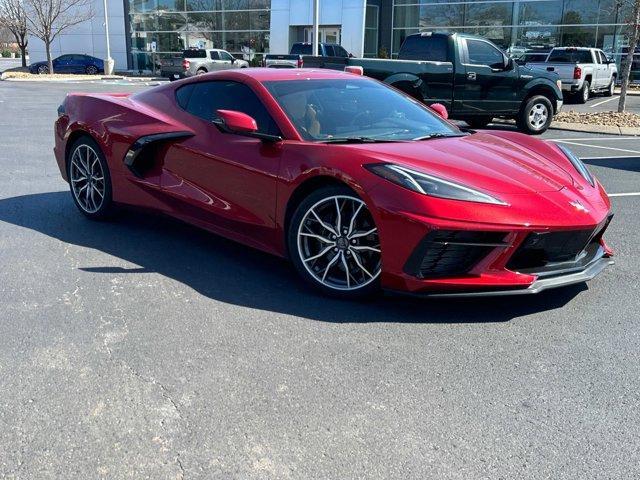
x,y
326,34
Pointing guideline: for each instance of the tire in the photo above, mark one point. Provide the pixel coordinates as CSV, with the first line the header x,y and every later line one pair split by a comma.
x,y
91,70
535,115
583,95
201,71
611,88
43,70
478,122
94,197
351,263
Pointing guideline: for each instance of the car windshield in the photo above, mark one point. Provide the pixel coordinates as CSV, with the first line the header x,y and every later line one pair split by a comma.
x,y
357,108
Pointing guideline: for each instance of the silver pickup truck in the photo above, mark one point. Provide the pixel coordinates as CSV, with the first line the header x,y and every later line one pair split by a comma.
x,y
583,71
195,61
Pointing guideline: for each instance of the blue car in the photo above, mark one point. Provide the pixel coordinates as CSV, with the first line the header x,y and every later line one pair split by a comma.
x,y
72,63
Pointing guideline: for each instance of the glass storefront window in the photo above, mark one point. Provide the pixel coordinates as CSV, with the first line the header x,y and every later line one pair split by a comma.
x,y
578,36
518,26
533,14
239,26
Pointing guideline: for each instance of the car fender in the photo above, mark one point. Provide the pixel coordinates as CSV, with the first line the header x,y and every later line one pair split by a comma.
x,y
542,83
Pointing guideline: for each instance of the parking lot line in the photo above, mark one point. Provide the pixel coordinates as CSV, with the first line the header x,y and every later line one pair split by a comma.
x,y
603,101
599,146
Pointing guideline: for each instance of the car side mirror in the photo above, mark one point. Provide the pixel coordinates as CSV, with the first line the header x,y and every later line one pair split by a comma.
x,y
507,63
239,123
440,110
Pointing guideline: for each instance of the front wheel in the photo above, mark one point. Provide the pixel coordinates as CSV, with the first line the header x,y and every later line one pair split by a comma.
x,y
43,70
535,116
91,70
89,179
334,245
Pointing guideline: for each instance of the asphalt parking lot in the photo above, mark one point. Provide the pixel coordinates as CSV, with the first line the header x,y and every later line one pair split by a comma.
x,y
144,348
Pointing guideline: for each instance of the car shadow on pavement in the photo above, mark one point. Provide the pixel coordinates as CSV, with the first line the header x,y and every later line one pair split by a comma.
x,y
630,164
228,272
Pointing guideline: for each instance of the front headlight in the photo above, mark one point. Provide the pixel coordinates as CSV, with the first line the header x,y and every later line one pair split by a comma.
x,y
578,165
430,185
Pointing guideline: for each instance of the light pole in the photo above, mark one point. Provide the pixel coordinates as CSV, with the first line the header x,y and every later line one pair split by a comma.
x,y
108,63
316,15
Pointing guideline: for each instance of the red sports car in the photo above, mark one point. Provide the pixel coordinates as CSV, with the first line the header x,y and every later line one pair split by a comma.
x,y
359,185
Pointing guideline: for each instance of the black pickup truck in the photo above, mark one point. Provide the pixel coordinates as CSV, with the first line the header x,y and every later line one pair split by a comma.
x,y
472,77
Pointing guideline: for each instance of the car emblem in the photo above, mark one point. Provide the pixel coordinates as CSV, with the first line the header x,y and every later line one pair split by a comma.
x,y
578,206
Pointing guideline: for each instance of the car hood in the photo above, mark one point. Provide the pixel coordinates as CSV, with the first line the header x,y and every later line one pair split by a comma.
x,y
481,160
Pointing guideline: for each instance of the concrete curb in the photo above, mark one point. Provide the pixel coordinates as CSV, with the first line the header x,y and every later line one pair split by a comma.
x,y
589,128
38,78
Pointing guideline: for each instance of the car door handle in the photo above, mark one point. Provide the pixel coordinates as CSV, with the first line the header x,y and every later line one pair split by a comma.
x,y
471,75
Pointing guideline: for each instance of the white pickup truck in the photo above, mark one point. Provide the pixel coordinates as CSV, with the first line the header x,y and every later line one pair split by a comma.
x,y
583,71
196,61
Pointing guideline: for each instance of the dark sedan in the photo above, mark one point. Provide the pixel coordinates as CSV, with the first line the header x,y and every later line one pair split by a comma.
x,y
72,63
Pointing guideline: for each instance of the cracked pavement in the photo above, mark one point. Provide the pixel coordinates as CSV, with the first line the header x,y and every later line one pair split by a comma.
x,y
143,348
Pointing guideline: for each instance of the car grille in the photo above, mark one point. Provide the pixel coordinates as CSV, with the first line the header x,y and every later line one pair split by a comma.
x,y
451,252
548,251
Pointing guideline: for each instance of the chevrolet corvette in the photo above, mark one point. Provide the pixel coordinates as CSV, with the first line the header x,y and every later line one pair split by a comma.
x,y
360,186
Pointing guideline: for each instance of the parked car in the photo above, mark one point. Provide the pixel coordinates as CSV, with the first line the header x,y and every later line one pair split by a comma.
x,y
275,60
583,71
70,63
196,61
472,77
360,186
294,59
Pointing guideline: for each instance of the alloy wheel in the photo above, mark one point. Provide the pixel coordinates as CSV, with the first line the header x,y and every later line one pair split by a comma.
x,y
338,243
42,69
92,70
538,115
87,178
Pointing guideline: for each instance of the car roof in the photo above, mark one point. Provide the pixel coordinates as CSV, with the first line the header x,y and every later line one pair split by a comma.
x,y
284,74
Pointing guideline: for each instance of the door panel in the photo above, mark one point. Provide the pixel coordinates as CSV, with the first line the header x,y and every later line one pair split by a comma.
x,y
228,184
488,87
224,181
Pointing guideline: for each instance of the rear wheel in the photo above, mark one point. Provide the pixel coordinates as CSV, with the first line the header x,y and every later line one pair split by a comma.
x,y
612,87
478,122
201,71
43,70
333,243
89,179
535,116
583,95
91,70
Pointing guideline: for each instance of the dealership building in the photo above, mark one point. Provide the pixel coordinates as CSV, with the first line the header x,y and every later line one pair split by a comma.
x,y
141,31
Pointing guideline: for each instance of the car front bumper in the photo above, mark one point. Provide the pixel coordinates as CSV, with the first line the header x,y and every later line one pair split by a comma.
x,y
540,285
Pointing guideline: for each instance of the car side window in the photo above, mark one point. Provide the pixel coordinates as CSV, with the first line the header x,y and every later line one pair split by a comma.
x,y
329,51
483,53
214,55
597,55
206,97
341,52
225,56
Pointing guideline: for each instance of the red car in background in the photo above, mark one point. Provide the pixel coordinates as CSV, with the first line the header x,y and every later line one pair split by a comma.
x,y
359,185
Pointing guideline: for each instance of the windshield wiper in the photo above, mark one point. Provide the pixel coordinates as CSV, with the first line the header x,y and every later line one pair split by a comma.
x,y
357,140
431,136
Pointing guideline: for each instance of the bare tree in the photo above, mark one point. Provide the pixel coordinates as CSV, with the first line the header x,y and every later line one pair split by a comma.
x,y
633,25
14,18
46,19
